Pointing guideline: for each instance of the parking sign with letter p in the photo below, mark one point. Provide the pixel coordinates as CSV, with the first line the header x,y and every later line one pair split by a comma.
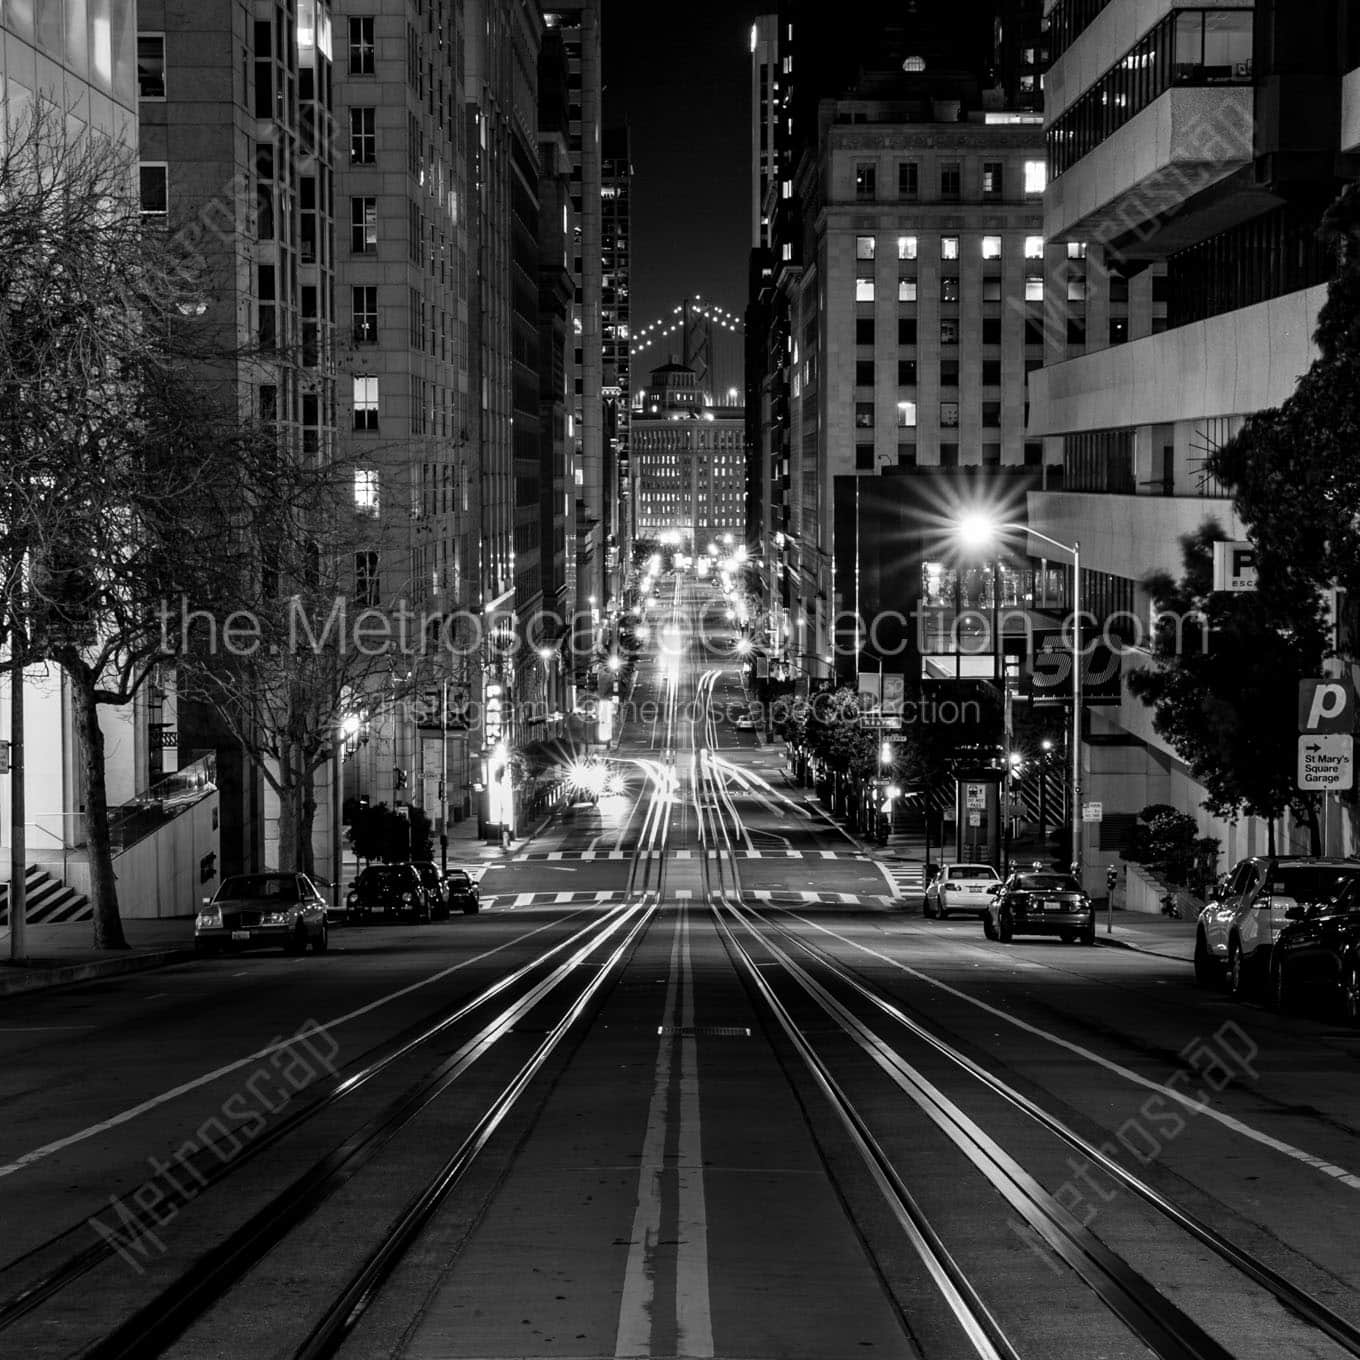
x,y
1326,705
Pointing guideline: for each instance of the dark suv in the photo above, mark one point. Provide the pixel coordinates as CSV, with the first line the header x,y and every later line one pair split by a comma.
x,y
389,890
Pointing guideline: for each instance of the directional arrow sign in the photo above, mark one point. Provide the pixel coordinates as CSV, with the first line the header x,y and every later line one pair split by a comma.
x,y
1327,762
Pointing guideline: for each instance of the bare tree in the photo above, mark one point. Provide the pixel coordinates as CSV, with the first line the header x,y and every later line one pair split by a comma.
x,y
123,468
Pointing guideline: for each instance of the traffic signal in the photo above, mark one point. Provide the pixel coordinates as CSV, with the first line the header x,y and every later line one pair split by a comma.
x,y
398,778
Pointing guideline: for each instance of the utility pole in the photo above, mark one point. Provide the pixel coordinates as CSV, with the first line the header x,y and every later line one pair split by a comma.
x,y
18,950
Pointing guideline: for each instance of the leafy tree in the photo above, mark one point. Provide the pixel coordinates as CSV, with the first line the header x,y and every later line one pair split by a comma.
x,y
1220,705
1293,469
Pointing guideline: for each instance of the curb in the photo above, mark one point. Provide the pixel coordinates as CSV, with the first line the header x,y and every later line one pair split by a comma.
x,y
14,980
1110,943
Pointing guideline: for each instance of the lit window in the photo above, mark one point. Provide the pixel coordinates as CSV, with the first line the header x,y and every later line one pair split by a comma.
x,y
1036,177
864,247
906,290
864,290
906,247
366,491
906,415
1076,290
949,247
1034,287
1076,250
365,403
991,247
1034,247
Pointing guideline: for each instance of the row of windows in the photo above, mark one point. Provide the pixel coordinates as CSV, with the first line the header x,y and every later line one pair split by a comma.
x,y
1068,19
947,455
907,411
992,183
866,369
866,330
1188,47
866,248
951,290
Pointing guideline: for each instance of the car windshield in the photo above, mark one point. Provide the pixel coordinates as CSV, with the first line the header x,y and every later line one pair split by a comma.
x,y
383,876
275,887
1310,882
1047,883
973,871
428,873
457,876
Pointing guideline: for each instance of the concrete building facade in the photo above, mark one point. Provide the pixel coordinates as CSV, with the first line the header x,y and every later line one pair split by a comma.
x,y
1191,154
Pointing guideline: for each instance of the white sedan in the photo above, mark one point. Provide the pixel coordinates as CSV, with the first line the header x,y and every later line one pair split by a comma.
x,y
961,887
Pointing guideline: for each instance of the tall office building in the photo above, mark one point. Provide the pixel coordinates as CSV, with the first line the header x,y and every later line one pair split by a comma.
x,y
616,328
1191,155
501,86
402,310
766,104
251,152
690,467
578,22
556,350
892,316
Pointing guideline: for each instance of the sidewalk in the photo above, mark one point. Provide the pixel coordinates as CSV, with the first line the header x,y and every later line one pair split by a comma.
x,y
1148,934
62,954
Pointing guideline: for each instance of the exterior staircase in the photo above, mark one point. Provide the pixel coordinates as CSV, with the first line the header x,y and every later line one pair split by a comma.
x,y
47,901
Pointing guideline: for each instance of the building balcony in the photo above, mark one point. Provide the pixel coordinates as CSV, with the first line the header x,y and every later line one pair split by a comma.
x,y
1186,142
1350,111
1127,536
1241,361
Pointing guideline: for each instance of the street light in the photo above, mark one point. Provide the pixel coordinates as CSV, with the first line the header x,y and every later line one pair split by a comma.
x,y
980,532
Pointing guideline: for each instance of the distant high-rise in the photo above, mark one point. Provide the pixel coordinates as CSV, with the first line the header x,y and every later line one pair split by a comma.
x,y
616,338
689,464
766,89
578,22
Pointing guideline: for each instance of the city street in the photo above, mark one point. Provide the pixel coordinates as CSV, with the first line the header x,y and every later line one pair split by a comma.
x,y
693,1084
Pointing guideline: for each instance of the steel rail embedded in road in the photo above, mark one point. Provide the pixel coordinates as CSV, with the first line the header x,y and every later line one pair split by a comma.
x,y
1169,1332
1293,1297
329,1093
346,1310
157,1324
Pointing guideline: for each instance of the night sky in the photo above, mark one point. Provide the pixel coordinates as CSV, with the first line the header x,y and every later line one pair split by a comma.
x,y
681,77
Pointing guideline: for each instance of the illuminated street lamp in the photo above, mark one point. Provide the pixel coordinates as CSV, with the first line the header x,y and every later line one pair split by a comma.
x,y
980,532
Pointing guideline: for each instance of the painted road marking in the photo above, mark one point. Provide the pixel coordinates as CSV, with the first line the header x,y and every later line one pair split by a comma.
x,y
634,1335
278,1046
1338,1173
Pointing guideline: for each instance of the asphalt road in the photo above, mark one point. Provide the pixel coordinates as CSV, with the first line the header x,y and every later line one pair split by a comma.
x,y
726,1099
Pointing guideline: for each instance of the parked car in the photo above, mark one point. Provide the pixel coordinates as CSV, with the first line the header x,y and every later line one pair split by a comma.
x,y
436,887
464,894
250,910
1036,903
961,887
389,890
1241,922
1317,954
